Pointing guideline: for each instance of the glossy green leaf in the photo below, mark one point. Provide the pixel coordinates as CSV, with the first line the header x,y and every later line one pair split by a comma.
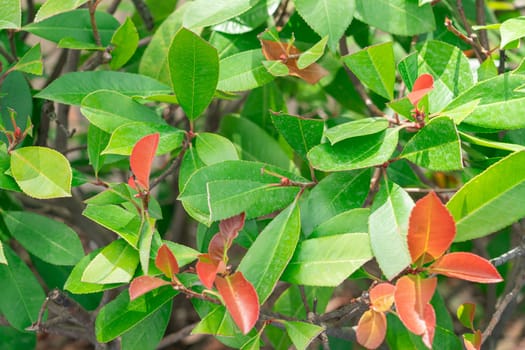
x,y
248,21
31,62
275,246
11,16
355,153
512,29
74,282
360,127
340,254
71,88
351,221
148,333
116,263
75,44
54,7
121,314
117,219
75,24
213,148
406,17
302,333
460,113
189,165
446,64
57,244
194,71
501,100
487,69
108,110
41,172
490,144
301,133
124,42
253,344
259,104
491,200
375,67
184,254
203,13
124,137
243,71
6,182
21,296
388,225
436,146
313,54
15,94
327,18
333,195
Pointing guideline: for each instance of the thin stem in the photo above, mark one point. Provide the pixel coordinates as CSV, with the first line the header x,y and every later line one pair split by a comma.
x,y
481,21
511,254
92,9
144,13
113,6
480,52
176,337
502,58
12,44
6,54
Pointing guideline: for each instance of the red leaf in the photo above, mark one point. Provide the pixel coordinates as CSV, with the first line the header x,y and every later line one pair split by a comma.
x,y
382,297
216,248
422,86
143,284
229,228
412,297
472,341
466,266
141,159
289,54
429,316
240,299
208,268
431,229
166,261
371,329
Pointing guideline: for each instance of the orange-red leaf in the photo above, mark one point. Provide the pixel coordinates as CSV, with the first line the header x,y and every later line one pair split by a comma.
x,y
217,248
241,300
382,297
431,229
166,261
429,316
143,284
141,158
412,297
371,329
422,86
207,269
472,341
466,266
289,54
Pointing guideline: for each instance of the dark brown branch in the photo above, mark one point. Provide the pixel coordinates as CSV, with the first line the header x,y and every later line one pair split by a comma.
x,y
481,21
113,6
144,13
6,54
480,52
502,59
176,337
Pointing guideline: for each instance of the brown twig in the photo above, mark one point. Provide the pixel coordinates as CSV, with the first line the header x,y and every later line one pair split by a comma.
x,y
113,6
144,13
6,54
176,337
502,59
481,21
92,10
480,52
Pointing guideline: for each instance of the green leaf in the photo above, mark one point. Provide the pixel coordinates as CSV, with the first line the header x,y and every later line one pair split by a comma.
x,y
203,13
501,99
243,71
31,62
260,102
313,54
336,193
436,146
108,110
375,67
76,25
361,127
510,30
54,7
15,94
14,339
189,165
491,200
448,66
275,246
388,229
184,254
3,259
21,295
350,221
117,219
116,263
302,333
97,141
250,20
327,18
405,17
355,153
276,68
58,244
41,172
11,16
487,69
75,44
74,282
253,344
121,314
126,136
461,112
213,148
124,42
194,70
148,333
6,181
490,144
71,88
301,133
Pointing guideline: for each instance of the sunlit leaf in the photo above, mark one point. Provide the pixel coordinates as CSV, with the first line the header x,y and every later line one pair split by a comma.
x,y
466,313
466,266
302,333
382,297
371,329
143,284
141,158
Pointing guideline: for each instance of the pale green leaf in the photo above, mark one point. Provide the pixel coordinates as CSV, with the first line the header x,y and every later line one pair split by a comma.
x,y
276,68
248,21
75,44
31,62
124,43
41,172
461,112
487,69
204,13
3,259
313,54
54,7
350,221
117,219
213,148
490,144
97,141
243,71
302,333
356,128
512,29
11,15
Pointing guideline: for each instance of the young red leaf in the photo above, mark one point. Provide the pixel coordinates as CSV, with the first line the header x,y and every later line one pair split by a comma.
x,y
289,54
412,297
382,297
143,284
466,266
472,341
431,229
166,261
422,86
208,268
141,159
217,248
229,228
371,329
466,313
241,300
